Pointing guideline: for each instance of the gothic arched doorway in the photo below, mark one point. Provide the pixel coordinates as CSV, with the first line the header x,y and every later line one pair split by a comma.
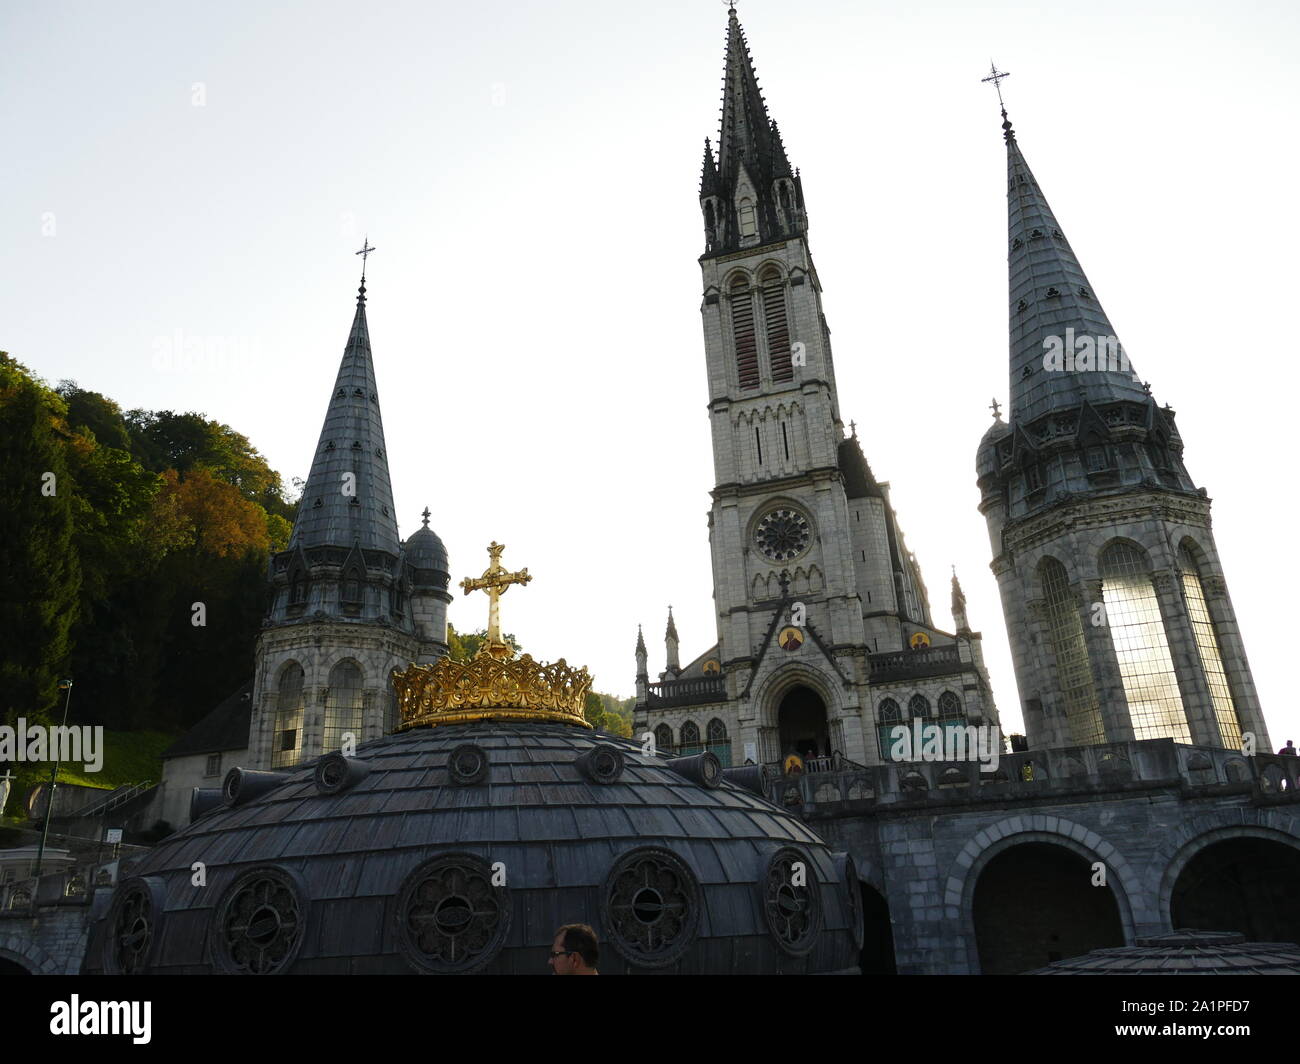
x,y
801,724
1244,884
1035,903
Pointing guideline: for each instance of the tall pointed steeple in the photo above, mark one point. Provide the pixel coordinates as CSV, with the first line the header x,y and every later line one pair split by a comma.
x,y
348,498
1050,294
750,197
1092,514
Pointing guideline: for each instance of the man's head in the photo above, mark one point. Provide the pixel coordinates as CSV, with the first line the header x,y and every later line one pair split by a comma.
x,y
574,951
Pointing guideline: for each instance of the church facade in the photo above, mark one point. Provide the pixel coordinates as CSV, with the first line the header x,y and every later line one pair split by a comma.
x,y
1145,795
825,639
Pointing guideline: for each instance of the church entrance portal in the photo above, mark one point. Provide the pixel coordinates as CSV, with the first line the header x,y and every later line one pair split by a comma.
x,y
801,724
1247,885
1034,904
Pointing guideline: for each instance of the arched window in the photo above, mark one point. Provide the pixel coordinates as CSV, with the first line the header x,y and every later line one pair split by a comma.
x,y
352,586
690,737
286,740
949,705
664,739
918,706
778,325
1207,643
748,220
888,717
297,588
343,706
1137,631
718,743
1073,673
743,333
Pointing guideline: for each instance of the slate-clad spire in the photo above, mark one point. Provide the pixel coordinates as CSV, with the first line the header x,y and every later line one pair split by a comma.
x,y
337,509
1049,293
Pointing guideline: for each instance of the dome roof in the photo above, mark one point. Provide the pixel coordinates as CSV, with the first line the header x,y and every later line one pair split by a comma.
x,y
858,481
1185,953
463,847
425,550
986,456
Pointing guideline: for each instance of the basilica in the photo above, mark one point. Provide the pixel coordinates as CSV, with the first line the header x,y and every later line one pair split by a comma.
x,y
361,790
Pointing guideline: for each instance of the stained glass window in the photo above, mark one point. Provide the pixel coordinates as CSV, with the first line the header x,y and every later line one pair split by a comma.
x,y
1137,631
1207,642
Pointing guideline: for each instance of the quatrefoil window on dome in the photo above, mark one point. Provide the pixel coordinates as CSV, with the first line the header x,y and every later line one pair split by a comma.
x,y
329,446
783,534
450,917
1052,293
133,927
358,393
791,901
651,907
260,924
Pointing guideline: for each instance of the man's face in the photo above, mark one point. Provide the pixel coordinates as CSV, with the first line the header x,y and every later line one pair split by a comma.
x,y
565,963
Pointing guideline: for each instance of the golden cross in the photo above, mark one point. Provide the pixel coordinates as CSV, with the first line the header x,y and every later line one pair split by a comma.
x,y
495,581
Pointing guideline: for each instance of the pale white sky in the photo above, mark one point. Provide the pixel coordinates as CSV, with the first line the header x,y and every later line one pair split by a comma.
x,y
528,173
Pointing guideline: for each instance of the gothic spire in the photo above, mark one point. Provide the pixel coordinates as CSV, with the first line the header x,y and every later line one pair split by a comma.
x,y
750,196
348,499
958,604
1053,307
708,172
745,136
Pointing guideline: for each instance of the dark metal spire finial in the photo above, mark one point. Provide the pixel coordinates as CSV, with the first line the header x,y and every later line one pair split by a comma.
x,y
996,76
425,515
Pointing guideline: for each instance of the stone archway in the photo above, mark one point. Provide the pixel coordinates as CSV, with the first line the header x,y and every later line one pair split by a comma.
x,y
1245,883
802,722
1035,903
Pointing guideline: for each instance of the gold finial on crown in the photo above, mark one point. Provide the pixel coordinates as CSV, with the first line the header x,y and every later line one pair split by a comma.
x,y
492,685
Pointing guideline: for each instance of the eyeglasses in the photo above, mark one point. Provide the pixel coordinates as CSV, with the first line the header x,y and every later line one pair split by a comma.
x,y
560,953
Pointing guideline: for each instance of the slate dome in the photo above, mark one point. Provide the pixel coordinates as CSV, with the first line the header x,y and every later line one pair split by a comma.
x,y
462,847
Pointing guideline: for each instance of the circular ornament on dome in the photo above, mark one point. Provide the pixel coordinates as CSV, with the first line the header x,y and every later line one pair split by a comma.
x,y
790,900
331,773
450,917
468,764
651,907
133,927
783,534
260,924
603,763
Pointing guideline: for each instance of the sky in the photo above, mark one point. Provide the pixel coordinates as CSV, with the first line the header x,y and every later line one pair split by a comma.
x,y
187,177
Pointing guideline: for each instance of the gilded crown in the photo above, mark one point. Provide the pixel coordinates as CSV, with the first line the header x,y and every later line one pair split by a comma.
x,y
494,684
491,687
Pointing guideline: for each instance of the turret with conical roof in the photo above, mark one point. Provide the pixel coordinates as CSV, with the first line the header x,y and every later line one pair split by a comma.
x,y
350,602
1118,613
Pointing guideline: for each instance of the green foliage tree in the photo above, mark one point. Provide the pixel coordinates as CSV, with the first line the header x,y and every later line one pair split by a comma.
x,y
464,645
41,571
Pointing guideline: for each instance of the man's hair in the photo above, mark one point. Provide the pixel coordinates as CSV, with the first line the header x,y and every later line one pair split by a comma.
x,y
581,939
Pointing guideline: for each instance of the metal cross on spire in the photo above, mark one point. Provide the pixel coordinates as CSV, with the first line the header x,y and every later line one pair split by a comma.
x,y
365,254
996,76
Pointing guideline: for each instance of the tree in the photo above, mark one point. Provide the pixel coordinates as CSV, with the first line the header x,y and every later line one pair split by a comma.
x,y
42,574
464,646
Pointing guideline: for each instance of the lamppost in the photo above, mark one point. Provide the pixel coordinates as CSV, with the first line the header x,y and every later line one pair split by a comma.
x,y
54,772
